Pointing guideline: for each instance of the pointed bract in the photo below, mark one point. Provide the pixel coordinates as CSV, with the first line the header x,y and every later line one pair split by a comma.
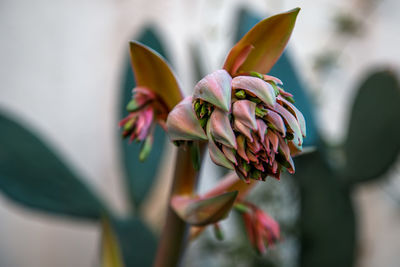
x,y
203,211
153,72
215,88
269,38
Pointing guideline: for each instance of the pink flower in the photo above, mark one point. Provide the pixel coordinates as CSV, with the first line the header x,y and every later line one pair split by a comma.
x,y
249,120
145,109
262,230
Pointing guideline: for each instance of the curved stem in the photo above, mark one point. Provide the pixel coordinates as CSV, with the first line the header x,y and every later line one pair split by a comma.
x,y
175,232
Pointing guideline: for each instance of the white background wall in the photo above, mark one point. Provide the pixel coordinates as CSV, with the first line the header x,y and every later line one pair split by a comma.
x,y
60,68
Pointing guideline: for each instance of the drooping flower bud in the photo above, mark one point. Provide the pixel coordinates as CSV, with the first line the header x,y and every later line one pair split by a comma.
x,y
250,121
145,109
262,230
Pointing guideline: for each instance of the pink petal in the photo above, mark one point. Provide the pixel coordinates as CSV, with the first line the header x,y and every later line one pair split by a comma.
x,y
291,121
217,156
220,128
245,112
277,122
215,88
241,150
261,129
298,114
272,78
144,122
229,154
273,138
182,122
243,129
256,86
284,147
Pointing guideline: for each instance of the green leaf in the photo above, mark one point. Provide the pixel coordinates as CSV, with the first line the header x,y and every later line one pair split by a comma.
x,y
373,145
327,221
33,175
267,41
284,70
111,252
140,176
138,244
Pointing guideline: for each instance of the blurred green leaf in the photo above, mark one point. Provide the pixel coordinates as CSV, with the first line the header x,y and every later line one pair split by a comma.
x,y
284,70
372,145
33,175
138,244
140,176
327,221
111,252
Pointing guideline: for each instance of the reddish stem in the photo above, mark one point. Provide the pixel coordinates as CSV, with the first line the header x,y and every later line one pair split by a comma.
x,y
174,236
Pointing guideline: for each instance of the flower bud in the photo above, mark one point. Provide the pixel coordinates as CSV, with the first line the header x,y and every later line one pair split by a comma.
x,y
145,110
250,121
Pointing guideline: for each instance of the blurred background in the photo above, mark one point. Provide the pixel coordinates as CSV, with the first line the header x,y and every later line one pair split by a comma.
x,y
65,77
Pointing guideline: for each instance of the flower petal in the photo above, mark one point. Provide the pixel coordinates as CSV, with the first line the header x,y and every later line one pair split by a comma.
x,y
256,86
269,38
298,114
215,88
261,129
272,78
273,139
241,150
245,112
277,122
220,128
240,127
216,155
229,154
291,121
182,123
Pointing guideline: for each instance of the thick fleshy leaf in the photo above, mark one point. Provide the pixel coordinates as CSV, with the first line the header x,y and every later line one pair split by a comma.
x,y
245,112
216,155
182,122
256,86
215,88
221,129
153,72
111,252
203,211
298,114
136,241
277,121
373,143
269,38
229,154
31,174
